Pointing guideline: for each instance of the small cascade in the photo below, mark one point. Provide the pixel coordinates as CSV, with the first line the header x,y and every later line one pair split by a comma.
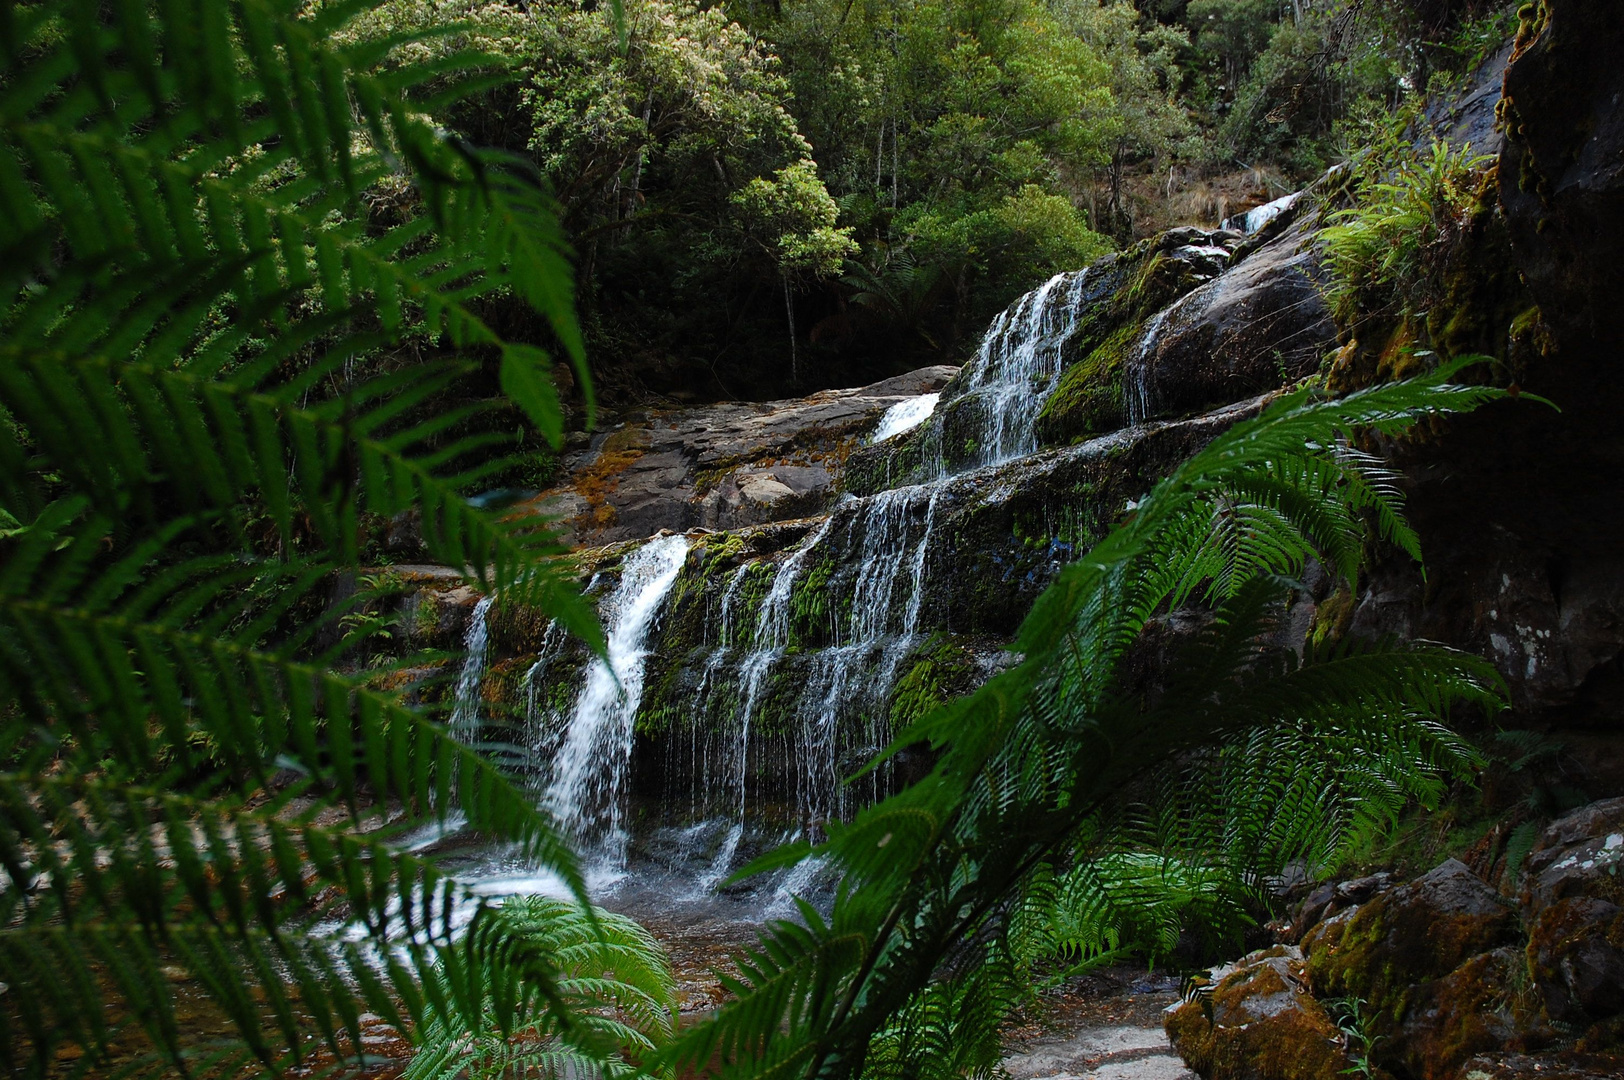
x,y
465,712
905,416
1019,364
1138,398
589,772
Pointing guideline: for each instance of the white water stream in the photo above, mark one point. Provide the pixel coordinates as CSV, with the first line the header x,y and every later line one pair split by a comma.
x,y
587,789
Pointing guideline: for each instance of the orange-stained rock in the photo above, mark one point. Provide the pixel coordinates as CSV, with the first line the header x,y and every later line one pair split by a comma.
x,y
1259,1023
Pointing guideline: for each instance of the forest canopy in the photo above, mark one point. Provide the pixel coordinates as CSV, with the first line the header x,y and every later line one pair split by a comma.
x,y
857,186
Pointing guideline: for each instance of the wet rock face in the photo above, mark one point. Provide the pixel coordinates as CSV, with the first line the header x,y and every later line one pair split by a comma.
x,y
1259,1023
1518,507
722,466
1125,294
1562,174
1260,325
1006,531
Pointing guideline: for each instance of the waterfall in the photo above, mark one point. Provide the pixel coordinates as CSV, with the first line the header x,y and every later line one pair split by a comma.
x,y
589,771
464,723
1018,365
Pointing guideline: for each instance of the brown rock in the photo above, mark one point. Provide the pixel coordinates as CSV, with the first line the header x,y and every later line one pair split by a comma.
x,y
1472,1010
1259,1023
722,466
1424,930
1576,958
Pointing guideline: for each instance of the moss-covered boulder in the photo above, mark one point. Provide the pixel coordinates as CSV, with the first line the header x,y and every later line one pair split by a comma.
x,y
1383,951
1576,959
1259,1023
1131,290
1573,900
1482,1006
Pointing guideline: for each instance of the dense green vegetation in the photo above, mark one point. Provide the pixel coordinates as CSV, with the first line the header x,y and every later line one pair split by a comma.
x,y
241,279
262,283
856,187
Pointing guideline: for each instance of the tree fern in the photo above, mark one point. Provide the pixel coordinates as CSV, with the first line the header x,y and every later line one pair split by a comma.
x,y
1033,836
219,223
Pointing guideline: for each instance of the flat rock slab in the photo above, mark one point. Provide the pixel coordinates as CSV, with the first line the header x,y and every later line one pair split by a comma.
x,y
722,466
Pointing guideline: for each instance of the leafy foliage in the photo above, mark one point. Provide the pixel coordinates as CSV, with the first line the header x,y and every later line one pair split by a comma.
x,y
218,222
612,976
1018,844
1391,242
681,172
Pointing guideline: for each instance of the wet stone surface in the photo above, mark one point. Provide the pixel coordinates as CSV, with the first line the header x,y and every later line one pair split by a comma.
x,y
1104,1026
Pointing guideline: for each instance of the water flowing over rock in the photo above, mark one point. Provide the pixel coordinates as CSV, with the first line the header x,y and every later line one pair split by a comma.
x,y
753,671
464,722
589,772
1016,368
905,416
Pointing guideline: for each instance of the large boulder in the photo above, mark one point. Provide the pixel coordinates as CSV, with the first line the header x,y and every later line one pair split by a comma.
x,y
1475,1009
1259,1022
1125,299
1259,325
1384,950
1573,901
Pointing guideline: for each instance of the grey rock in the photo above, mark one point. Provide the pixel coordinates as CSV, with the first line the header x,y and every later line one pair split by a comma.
x,y
1580,855
1253,328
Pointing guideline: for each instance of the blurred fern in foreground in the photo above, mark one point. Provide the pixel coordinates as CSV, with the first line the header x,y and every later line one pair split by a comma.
x,y
216,224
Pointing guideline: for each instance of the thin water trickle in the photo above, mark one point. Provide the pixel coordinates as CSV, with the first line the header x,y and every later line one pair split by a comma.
x,y
1138,396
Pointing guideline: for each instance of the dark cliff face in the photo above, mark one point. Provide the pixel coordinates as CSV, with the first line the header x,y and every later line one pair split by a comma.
x,y
1521,508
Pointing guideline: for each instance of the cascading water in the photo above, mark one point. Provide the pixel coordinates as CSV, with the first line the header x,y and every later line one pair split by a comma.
x,y
464,723
589,772
800,660
1018,365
